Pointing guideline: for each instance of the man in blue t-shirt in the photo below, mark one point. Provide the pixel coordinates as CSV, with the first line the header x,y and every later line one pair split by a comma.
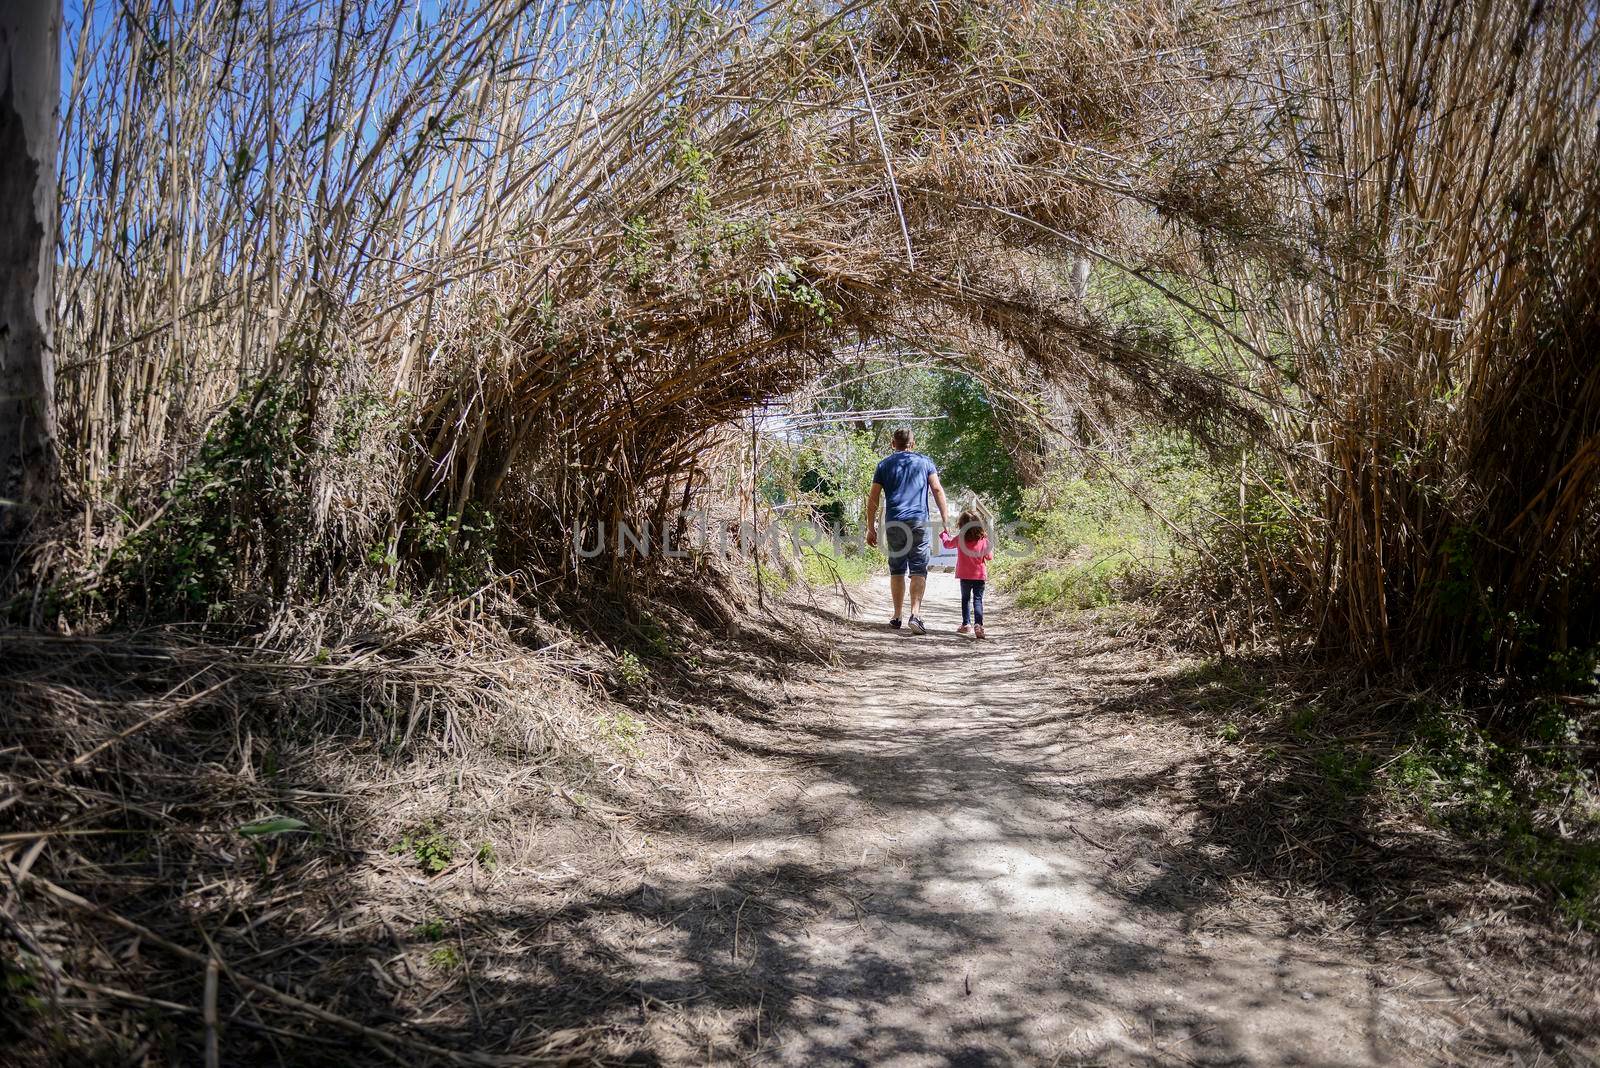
x,y
903,481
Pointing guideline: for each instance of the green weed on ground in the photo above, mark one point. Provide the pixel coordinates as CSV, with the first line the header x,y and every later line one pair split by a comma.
x,y
445,958
1513,788
1067,585
825,563
622,731
631,670
430,849
1533,795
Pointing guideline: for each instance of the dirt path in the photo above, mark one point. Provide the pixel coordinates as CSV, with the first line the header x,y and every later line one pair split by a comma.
x,y
972,865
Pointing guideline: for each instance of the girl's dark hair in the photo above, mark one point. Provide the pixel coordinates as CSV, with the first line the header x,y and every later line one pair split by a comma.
x,y
970,524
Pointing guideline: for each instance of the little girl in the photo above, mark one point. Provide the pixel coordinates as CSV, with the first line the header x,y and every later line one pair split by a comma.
x,y
972,568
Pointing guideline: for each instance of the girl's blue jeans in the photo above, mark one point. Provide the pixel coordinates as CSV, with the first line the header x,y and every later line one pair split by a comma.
x,y
971,601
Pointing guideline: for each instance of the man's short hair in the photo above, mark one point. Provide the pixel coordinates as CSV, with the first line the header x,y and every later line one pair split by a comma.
x,y
901,437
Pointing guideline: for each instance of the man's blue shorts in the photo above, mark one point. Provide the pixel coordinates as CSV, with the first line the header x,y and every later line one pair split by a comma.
x,y
908,544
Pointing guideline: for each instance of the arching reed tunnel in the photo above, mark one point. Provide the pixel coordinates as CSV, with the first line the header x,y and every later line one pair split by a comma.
x,y
557,251
862,180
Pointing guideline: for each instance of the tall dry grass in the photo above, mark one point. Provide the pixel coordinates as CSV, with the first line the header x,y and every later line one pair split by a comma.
x,y
283,209
1425,304
344,282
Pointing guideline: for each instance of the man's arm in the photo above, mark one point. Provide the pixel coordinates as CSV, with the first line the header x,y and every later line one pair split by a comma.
x,y
938,498
872,513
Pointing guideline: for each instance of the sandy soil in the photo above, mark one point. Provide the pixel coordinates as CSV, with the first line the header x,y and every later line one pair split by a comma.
x,y
956,859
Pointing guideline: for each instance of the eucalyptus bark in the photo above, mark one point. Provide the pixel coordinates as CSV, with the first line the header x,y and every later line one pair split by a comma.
x,y
30,33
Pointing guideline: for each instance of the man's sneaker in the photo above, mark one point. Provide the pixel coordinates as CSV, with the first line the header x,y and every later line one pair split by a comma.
x,y
963,629
979,630
895,622
914,625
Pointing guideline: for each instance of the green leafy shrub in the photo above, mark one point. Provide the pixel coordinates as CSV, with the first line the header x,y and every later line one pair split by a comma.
x,y
1069,585
227,518
1096,539
1347,773
825,475
968,438
457,550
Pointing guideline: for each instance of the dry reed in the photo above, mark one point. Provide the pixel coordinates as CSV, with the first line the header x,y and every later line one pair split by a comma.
x,y
524,259
1426,299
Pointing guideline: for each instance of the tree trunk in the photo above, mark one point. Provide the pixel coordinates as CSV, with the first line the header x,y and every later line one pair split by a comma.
x,y
30,83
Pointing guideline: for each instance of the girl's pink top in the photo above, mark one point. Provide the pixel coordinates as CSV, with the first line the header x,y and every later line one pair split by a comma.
x,y
971,557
